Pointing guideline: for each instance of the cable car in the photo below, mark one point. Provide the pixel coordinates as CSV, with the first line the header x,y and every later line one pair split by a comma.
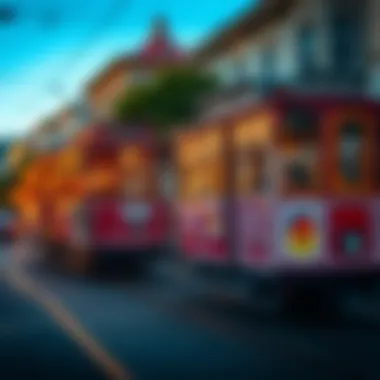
x,y
121,217
288,195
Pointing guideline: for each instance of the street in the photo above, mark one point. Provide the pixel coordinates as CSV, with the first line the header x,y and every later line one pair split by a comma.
x,y
61,327
33,346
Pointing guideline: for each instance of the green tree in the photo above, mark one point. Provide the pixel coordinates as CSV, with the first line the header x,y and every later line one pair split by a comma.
x,y
172,98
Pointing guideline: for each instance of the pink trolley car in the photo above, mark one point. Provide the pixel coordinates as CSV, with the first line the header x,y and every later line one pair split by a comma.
x,y
286,190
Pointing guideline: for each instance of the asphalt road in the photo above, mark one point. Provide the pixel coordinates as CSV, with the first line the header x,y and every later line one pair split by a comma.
x,y
163,328
34,347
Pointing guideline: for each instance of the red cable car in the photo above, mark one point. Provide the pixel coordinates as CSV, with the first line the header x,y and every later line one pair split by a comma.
x,y
122,216
288,194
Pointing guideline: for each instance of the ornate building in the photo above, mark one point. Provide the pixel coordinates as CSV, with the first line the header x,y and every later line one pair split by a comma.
x,y
158,52
308,45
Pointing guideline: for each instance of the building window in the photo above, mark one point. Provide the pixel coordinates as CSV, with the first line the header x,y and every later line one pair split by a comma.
x,y
268,66
307,45
374,83
240,68
229,72
223,72
348,42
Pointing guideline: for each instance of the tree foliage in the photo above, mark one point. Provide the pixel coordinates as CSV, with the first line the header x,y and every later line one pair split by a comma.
x,y
172,98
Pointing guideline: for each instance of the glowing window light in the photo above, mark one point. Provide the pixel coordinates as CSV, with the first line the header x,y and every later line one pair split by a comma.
x,y
198,147
101,179
189,152
131,158
212,143
254,130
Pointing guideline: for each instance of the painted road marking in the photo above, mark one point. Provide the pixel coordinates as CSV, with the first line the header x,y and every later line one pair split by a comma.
x,y
52,305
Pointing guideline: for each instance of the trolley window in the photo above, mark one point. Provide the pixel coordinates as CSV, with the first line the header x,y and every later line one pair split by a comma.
x,y
300,124
351,154
301,169
138,172
202,181
351,145
299,150
252,171
253,137
201,169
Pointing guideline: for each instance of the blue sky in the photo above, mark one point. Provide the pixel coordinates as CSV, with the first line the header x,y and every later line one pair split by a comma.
x,y
41,68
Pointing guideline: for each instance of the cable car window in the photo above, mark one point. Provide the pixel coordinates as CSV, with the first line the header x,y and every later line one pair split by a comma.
x,y
301,170
202,181
252,174
301,123
350,152
299,176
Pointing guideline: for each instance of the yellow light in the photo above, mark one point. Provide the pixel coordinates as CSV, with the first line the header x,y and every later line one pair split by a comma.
x,y
131,158
212,142
31,212
199,147
255,130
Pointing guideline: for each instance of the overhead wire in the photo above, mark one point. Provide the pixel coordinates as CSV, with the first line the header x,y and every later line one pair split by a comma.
x,y
77,54
115,10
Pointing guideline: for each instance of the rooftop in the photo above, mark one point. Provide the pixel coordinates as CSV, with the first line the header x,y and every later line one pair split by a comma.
x,y
241,26
159,50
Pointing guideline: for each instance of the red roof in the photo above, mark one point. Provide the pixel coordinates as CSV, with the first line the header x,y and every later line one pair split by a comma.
x,y
159,51
159,47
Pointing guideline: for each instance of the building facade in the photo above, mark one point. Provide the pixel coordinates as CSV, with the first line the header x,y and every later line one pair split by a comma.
x,y
159,51
315,45
58,128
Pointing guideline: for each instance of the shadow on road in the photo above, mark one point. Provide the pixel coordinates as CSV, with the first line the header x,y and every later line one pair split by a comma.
x,y
155,287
